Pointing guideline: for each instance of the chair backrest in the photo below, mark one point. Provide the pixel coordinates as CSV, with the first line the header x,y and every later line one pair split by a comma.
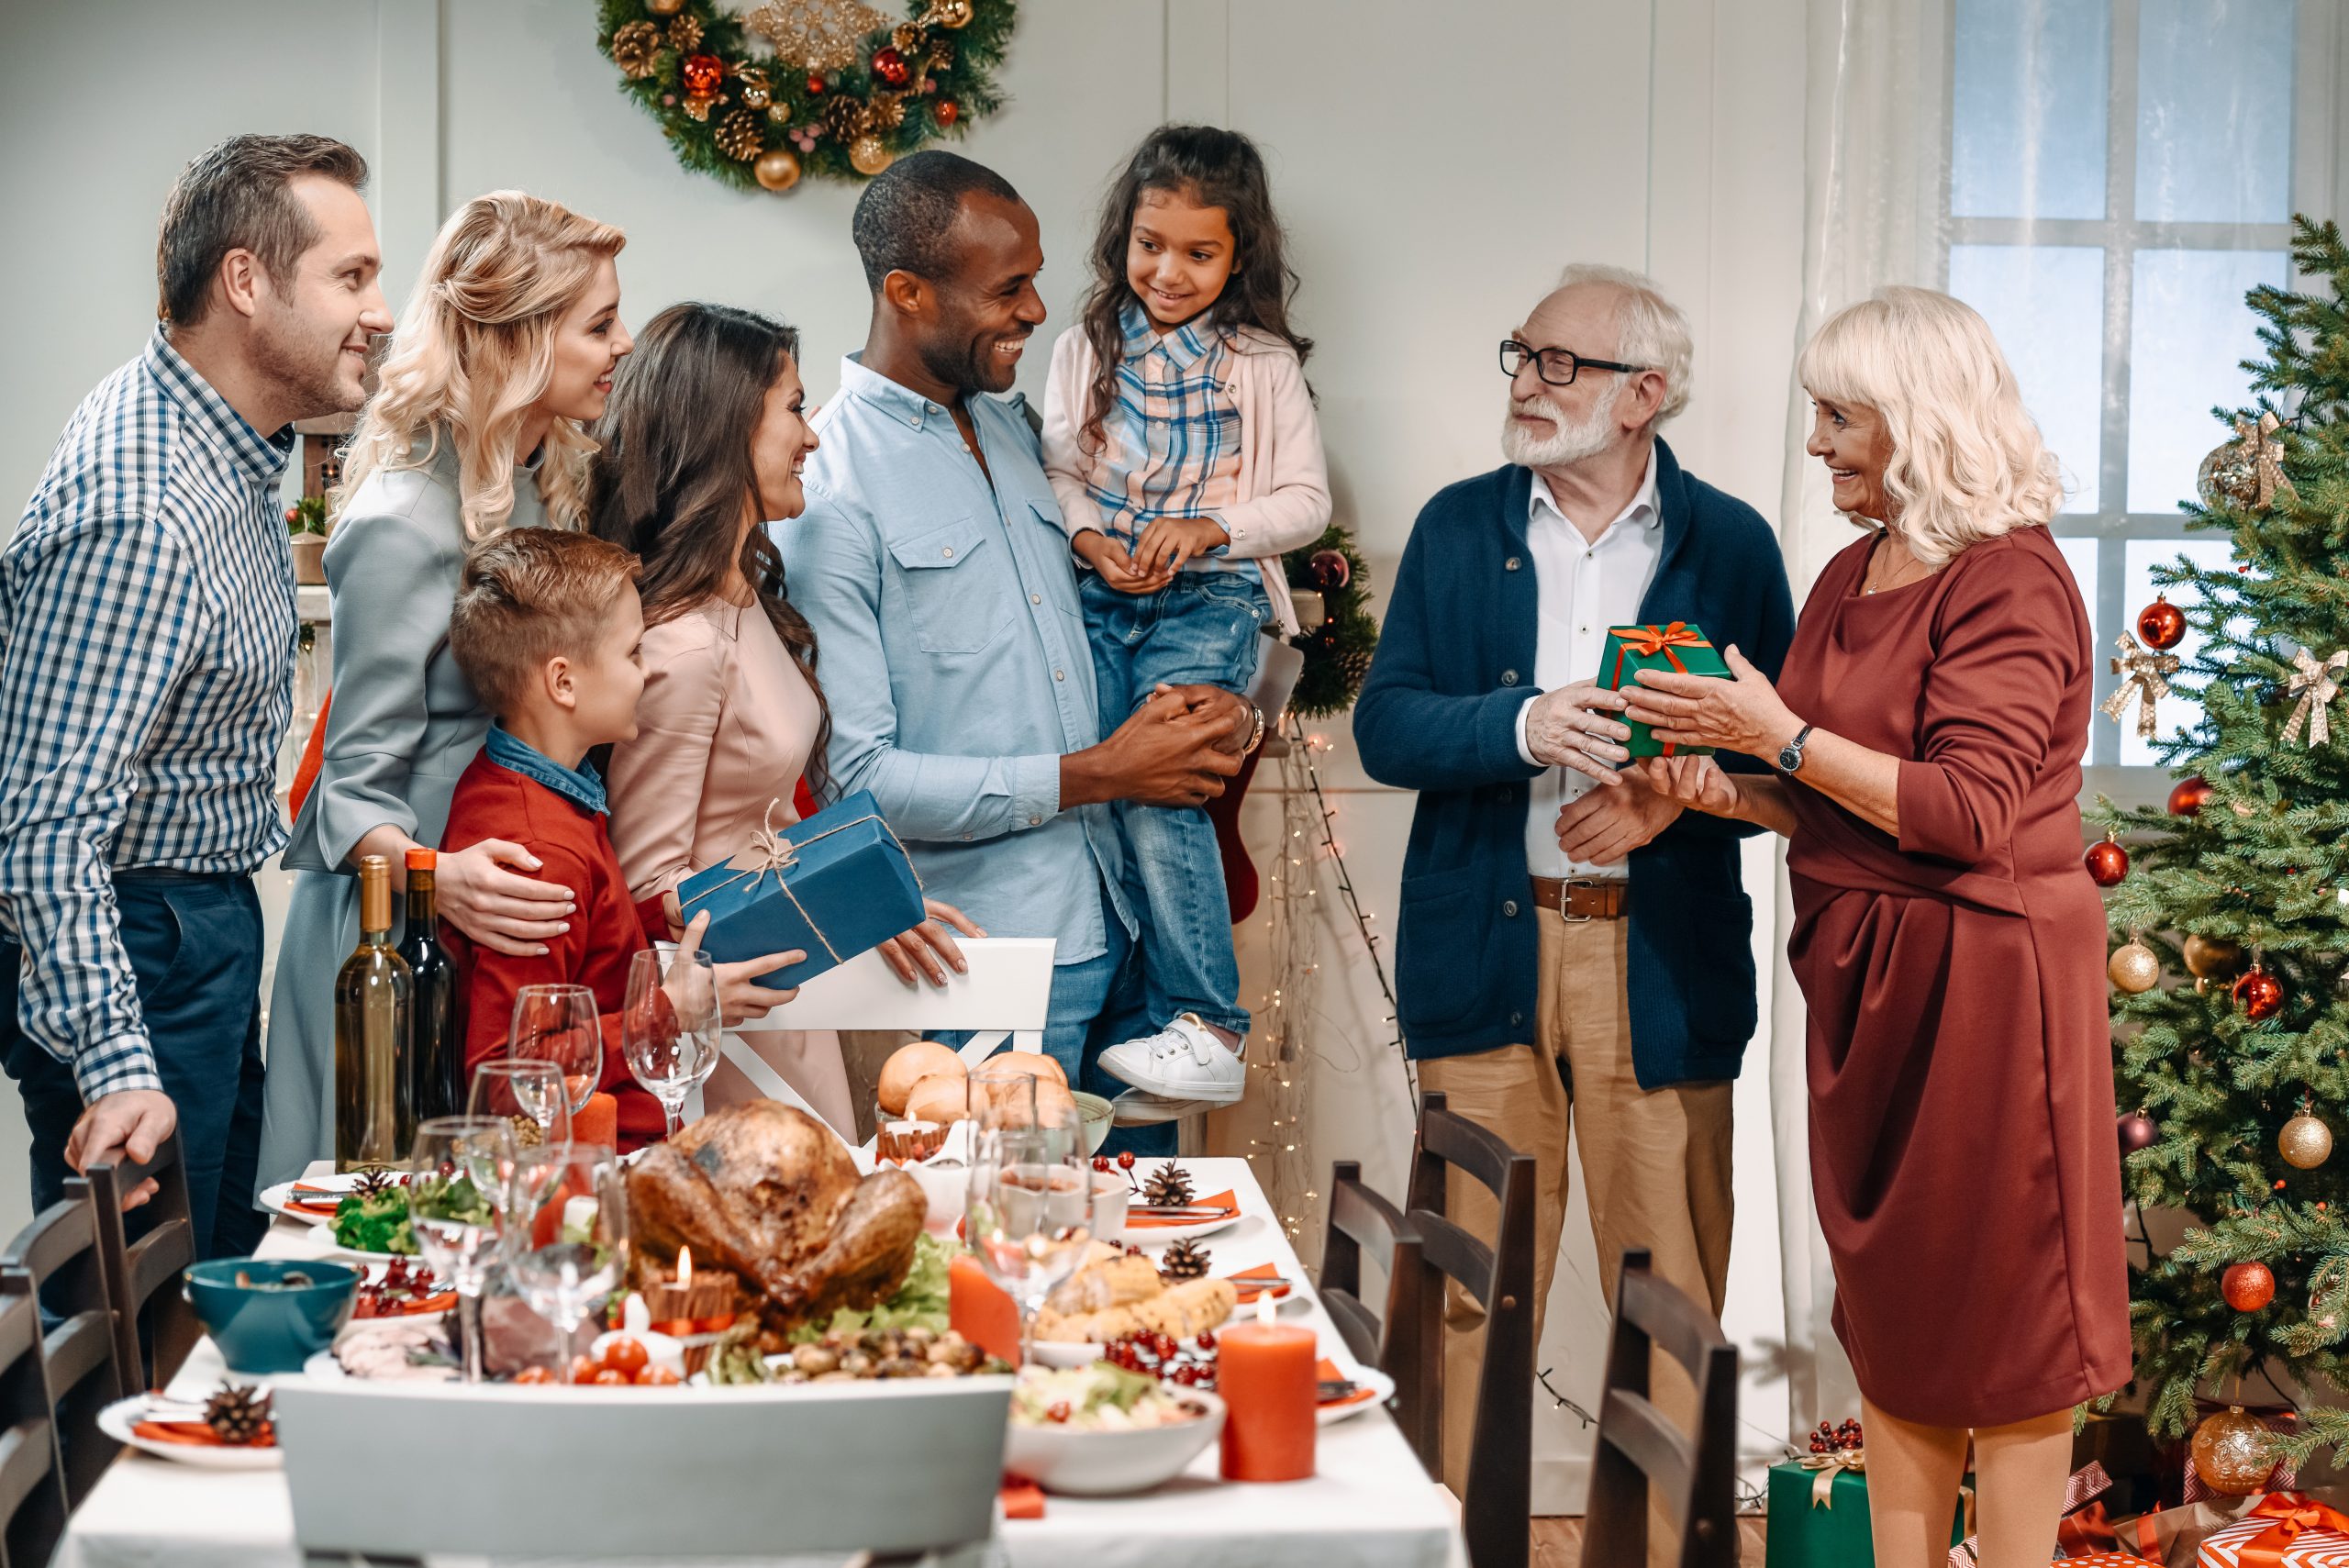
x,y
155,1327
1498,1501
32,1495
57,1255
1400,1340
1694,1473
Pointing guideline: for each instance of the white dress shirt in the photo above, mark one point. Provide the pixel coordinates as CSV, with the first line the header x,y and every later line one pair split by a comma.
x,y
1584,587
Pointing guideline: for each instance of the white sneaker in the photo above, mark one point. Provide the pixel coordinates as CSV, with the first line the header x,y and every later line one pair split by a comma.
x,y
1185,1061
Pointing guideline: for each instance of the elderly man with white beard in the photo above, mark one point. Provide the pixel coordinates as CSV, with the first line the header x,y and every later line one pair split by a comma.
x,y
1573,951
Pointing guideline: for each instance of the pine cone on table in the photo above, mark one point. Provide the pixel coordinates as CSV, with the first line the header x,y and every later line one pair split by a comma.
x,y
372,1185
1168,1187
238,1414
1184,1260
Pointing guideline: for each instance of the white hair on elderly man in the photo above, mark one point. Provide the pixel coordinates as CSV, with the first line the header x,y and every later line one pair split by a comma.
x,y
1649,332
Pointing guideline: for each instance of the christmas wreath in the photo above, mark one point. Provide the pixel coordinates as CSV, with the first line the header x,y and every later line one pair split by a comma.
x,y
843,90
1330,585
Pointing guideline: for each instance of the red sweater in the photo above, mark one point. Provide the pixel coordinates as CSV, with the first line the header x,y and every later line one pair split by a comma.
x,y
606,928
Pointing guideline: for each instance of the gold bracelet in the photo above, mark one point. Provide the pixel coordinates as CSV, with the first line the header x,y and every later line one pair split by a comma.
x,y
1256,737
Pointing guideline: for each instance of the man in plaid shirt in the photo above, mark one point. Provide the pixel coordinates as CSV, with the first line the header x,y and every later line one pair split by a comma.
x,y
146,631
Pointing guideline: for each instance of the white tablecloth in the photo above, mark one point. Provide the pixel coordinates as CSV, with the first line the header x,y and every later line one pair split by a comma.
x,y
1370,1504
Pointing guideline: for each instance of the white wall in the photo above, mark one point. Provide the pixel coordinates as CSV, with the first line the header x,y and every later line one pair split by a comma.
x,y
1436,166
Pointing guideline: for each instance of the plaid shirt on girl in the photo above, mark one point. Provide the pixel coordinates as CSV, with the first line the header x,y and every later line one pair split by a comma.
x,y
1171,441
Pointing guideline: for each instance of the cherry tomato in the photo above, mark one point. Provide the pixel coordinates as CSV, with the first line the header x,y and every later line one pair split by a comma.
x,y
535,1374
611,1375
1058,1413
626,1355
657,1376
584,1369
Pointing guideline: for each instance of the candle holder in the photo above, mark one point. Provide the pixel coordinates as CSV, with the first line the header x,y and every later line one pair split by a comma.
x,y
694,1305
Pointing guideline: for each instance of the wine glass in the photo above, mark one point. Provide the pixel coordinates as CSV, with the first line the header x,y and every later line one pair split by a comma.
x,y
451,1213
1031,1213
569,1269
558,1023
1003,1097
670,1026
523,1091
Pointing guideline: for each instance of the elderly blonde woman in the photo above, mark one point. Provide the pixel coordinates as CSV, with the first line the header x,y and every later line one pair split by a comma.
x,y
1927,733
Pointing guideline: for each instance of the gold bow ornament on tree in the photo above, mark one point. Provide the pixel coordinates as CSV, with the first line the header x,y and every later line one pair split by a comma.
x,y
2317,683
2248,471
2144,681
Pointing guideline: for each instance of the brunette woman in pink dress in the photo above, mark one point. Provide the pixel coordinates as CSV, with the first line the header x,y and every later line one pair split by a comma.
x,y
1928,730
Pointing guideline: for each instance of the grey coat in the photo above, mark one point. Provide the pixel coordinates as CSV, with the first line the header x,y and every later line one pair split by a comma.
x,y
402,727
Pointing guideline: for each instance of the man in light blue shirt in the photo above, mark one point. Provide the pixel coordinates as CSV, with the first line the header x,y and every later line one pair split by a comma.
x,y
932,565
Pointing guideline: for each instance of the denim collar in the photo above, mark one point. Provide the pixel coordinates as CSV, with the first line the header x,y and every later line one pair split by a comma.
x,y
580,786
1185,345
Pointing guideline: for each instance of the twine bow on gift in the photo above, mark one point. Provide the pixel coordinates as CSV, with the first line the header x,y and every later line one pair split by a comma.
x,y
2293,1514
2316,684
2146,681
1831,1466
771,853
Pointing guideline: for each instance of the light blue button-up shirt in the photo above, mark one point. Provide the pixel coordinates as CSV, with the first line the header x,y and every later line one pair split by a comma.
x,y
953,651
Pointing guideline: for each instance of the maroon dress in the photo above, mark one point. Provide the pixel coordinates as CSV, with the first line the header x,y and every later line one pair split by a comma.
x,y
1960,1058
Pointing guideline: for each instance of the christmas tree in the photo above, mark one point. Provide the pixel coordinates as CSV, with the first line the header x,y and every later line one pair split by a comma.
x,y
2232,925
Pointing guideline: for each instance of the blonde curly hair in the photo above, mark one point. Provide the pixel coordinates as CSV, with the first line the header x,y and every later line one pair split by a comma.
x,y
473,352
1967,462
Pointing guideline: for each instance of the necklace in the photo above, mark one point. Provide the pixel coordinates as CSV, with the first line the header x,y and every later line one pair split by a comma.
x,y
1900,577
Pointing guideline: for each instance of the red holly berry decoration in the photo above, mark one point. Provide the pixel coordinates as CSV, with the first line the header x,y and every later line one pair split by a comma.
x,y
889,66
948,111
2161,624
701,73
1329,570
2187,799
814,81
2137,1131
2259,994
2107,862
1126,1160
2247,1285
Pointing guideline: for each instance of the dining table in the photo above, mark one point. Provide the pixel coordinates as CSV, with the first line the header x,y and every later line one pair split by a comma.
x,y
1369,1503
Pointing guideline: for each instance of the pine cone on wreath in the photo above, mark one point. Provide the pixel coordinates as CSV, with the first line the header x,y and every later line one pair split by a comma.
x,y
684,34
634,47
1168,1187
1184,1260
739,136
238,1414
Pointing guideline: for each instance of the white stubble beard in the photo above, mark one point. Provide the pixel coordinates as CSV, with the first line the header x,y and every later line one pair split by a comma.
x,y
1570,442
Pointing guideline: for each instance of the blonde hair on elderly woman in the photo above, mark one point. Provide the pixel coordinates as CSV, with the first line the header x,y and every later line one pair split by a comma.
x,y
1967,462
474,351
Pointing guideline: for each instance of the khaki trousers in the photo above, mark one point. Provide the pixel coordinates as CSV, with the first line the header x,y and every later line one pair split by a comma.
x,y
1655,1165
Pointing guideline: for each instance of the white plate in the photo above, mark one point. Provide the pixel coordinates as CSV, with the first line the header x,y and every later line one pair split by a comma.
x,y
279,1199
116,1421
1327,1414
1065,1353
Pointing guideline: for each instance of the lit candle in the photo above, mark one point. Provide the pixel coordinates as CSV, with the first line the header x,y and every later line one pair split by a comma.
x,y
694,1305
1267,1373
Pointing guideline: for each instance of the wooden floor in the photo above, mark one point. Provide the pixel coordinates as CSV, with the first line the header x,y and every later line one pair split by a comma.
x,y
1557,1542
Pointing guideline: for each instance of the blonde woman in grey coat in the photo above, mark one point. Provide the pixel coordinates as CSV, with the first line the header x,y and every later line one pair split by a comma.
x,y
505,352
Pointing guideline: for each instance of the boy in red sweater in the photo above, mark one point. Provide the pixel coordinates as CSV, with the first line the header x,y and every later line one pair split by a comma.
x,y
546,627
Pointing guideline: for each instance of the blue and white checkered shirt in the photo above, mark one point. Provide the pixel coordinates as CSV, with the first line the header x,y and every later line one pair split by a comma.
x,y
147,628
1171,442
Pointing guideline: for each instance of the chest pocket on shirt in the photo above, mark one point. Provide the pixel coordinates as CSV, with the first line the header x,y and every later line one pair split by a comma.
x,y
956,607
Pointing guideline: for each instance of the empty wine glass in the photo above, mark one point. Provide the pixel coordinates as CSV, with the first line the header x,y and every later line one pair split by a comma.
x,y
1003,1097
1031,1213
523,1091
575,1250
451,1215
558,1023
670,1026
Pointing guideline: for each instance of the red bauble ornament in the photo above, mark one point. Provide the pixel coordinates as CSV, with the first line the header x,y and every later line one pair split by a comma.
x,y
2259,994
948,111
2188,797
889,66
701,73
2160,624
814,81
2247,1285
2107,862
2137,1131
1329,570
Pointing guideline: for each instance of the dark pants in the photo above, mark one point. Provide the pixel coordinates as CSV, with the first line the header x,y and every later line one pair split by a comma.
x,y
194,944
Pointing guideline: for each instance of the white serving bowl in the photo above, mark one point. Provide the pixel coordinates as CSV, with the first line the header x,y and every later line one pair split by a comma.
x,y
1107,1464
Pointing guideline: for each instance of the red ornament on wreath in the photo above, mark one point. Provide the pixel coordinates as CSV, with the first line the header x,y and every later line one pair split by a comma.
x,y
2161,625
2188,797
702,74
814,81
948,111
2247,1285
2259,994
2107,862
1329,570
889,66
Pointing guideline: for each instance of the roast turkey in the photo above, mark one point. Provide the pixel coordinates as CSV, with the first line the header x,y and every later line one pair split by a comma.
x,y
766,1191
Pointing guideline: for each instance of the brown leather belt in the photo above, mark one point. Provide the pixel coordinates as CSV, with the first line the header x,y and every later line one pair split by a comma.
x,y
1578,899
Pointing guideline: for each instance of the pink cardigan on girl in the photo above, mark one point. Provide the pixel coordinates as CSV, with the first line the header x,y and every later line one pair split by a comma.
x,y
1283,481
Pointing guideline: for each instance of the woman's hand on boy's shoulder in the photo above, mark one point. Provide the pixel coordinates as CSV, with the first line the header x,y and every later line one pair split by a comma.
x,y
490,891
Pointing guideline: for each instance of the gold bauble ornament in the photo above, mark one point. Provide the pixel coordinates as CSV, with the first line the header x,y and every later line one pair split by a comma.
x,y
777,169
665,7
2212,956
2234,1454
2133,967
2305,1142
869,155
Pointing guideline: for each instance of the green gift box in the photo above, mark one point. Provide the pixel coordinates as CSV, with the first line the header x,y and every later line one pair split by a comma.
x,y
1818,1517
1679,646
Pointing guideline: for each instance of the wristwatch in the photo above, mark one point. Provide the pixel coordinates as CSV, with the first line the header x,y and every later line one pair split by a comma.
x,y
1790,754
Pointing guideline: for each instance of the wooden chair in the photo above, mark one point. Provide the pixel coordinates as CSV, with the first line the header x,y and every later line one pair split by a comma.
x,y
154,1325
57,1258
1496,1505
32,1497
1402,1341
1694,1473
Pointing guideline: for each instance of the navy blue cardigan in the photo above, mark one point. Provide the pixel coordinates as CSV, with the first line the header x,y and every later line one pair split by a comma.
x,y
1438,713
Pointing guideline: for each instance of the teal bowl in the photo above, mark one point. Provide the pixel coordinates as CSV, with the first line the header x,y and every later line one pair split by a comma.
x,y
263,1327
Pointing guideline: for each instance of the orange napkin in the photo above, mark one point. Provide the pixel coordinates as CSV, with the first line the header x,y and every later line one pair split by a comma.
x,y
1327,1370
197,1434
1249,1292
1224,1200
298,1207
1023,1499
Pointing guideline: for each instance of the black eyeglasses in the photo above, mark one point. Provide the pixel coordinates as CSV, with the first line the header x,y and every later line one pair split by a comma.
x,y
1557,366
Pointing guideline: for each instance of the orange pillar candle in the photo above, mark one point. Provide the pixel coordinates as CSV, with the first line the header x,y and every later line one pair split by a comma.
x,y
980,1310
1267,1375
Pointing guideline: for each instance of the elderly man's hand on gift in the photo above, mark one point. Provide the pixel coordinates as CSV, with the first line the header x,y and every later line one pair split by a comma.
x,y
1568,728
928,951
1742,715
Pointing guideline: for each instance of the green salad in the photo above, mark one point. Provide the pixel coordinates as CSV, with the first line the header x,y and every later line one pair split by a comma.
x,y
380,1224
921,1302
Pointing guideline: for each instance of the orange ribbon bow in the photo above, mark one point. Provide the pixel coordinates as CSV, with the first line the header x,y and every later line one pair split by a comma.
x,y
1647,641
2293,1514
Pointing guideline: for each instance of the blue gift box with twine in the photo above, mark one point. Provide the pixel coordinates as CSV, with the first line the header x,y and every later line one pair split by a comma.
x,y
831,887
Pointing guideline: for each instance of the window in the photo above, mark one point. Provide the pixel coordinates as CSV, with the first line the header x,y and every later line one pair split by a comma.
x,y
2120,173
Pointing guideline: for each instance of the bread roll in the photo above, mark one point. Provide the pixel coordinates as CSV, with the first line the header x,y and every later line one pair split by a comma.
x,y
941,1096
1117,1281
908,1065
1042,1066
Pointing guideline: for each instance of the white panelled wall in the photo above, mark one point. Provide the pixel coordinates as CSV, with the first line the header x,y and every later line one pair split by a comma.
x,y
1435,166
